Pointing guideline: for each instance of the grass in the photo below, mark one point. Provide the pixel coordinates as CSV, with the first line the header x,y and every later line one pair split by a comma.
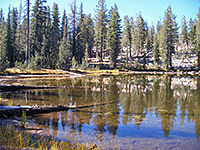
x,y
98,71
88,71
12,138
11,71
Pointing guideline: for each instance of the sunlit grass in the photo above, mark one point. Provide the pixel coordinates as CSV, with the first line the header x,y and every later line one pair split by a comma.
x,y
30,71
11,138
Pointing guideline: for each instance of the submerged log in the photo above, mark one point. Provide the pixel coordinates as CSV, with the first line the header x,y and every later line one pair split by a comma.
x,y
10,111
24,87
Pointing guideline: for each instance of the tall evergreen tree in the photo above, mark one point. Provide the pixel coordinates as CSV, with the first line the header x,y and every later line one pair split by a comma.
x,y
46,49
184,35
158,31
37,31
133,34
89,34
65,44
141,33
127,33
27,32
73,18
151,34
114,34
192,34
20,36
8,41
14,24
3,56
55,35
101,27
197,46
156,52
81,35
169,37
148,43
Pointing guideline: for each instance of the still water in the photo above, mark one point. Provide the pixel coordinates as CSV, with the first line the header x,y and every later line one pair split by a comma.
x,y
145,112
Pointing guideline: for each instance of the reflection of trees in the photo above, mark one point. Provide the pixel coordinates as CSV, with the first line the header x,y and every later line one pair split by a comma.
x,y
193,107
167,103
112,119
197,108
138,95
155,93
109,114
99,120
100,123
136,98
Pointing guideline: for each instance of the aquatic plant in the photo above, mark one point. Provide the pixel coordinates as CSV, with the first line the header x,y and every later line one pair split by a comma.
x,y
13,138
23,119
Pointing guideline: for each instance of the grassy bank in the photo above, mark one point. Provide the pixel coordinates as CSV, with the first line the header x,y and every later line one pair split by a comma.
x,y
94,71
15,71
17,138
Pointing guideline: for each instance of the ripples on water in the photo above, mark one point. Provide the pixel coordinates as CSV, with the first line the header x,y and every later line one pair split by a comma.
x,y
154,112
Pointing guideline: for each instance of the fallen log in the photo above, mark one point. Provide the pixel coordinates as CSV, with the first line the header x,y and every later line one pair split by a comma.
x,y
25,87
10,111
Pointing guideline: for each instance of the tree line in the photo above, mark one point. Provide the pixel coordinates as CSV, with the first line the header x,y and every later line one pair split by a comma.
x,y
51,42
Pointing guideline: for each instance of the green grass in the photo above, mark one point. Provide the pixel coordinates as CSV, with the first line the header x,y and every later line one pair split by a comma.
x,y
12,138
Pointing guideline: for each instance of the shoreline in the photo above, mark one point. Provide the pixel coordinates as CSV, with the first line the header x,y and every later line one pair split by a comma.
x,y
12,73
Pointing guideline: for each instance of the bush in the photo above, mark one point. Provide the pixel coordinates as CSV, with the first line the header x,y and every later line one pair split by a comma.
x,y
20,65
74,63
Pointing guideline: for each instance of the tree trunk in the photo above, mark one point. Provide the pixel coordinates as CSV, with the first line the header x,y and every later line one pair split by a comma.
x,y
198,59
24,87
10,111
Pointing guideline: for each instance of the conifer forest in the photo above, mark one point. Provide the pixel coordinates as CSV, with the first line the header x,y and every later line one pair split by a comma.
x,y
42,37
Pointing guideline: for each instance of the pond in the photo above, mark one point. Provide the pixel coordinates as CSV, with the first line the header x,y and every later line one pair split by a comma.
x,y
145,112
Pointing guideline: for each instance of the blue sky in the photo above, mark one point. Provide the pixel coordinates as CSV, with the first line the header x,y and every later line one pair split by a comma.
x,y
152,10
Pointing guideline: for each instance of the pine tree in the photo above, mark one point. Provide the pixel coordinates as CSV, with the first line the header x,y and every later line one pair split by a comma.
x,y
63,23
197,46
27,31
3,56
169,37
192,34
158,31
128,34
148,43
20,47
184,35
133,34
114,34
65,44
55,35
8,41
156,44
89,34
73,19
46,49
37,31
141,33
156,52
151,34
14,23
100,28
81,36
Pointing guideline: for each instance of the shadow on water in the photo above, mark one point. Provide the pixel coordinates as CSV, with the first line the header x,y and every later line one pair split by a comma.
x,y
151,109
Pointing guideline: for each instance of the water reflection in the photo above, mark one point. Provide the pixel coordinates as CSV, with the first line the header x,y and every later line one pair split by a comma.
x,y
147,105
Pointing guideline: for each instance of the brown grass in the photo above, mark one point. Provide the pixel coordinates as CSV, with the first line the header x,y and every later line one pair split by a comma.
x,y
12,138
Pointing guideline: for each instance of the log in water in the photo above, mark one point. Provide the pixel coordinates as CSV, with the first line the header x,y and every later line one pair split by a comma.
x,y
10,111
25,87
